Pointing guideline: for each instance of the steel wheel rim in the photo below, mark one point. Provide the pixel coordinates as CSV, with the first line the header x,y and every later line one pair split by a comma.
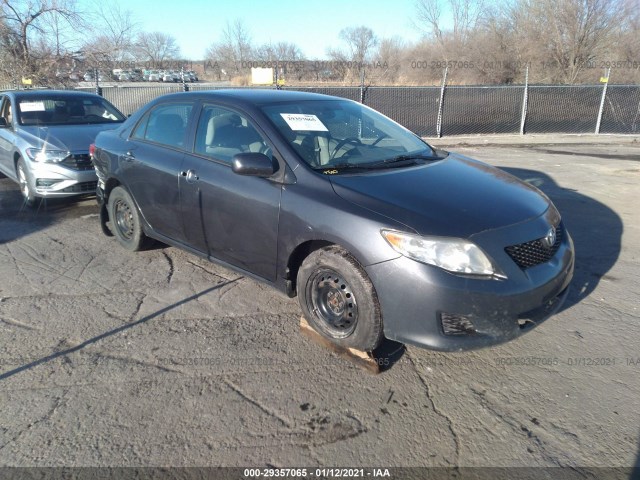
x,y
333,303
124,219
24,184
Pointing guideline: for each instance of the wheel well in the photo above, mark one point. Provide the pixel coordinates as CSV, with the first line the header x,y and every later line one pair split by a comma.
x,y
110,185
296,258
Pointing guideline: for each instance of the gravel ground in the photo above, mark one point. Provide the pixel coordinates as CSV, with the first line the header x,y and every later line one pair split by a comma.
x,y
159,358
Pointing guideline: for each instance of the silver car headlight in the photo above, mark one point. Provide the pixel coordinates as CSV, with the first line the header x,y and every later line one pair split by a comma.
x,y
452,254
47,156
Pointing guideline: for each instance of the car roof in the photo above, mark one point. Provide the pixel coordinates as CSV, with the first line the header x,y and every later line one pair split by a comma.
x,y
249,96
44,93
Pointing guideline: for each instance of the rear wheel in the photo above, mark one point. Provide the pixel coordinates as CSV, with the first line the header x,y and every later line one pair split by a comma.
x,y
126,223
338,299
25,187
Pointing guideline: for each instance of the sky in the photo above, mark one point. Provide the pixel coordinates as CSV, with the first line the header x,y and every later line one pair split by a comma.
x,y
313,25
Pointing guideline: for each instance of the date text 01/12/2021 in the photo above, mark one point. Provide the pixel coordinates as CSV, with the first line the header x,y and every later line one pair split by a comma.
x,y
317,472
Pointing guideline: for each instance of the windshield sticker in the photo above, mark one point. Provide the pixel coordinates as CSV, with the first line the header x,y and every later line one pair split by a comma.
x,y
302,121
32,107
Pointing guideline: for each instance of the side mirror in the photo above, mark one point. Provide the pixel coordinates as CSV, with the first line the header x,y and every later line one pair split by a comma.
x,y
3,122
253,164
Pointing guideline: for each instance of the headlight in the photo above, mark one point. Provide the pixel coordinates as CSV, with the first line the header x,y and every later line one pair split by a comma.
x,y
48,156
452,254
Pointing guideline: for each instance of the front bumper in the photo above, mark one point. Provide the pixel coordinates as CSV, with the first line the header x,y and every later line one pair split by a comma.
x,y
415,297
51,180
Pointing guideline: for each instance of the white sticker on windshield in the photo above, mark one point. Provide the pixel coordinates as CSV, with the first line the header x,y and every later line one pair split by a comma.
x,y
32,106
302,121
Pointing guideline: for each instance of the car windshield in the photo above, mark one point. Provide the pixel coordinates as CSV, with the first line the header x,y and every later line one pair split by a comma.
x,y
66,110
340,135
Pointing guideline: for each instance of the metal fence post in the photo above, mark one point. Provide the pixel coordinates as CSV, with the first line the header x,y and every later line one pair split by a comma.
x,y
604,94
525,100
362,88
440,105
97,75
185,87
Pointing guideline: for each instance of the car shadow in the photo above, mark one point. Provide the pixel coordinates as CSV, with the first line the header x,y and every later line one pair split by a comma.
x,y
18,220
595,228
635,473
110,333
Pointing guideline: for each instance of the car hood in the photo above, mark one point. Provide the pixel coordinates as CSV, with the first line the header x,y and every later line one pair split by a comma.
x,y
74,138
456,196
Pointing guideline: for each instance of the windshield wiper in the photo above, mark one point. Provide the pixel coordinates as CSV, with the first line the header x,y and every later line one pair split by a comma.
x,y
328,169
408,158
399,160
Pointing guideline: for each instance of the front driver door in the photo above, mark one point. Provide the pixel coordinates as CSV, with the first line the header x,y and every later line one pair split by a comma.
x,y
229,216
7,138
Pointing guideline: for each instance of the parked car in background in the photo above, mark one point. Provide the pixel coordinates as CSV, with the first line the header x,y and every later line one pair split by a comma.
x,y
377,233
45,137
171,76
153,76
124,76
137,75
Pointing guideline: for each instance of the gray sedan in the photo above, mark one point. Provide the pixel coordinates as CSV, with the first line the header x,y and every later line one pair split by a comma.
x,y
45,137
376,232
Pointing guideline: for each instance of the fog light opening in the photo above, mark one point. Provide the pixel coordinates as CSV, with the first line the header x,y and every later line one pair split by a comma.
x,y
46,183
455,324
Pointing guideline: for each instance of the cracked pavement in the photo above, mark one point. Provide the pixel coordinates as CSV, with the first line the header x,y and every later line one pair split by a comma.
x,y
160,358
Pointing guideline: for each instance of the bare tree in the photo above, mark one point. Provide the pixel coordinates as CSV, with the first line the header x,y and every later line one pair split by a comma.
x,y
359,46
360,42
565,36
232,50
285,56
23,24
157,48
465,14
114,31
389,59
429,16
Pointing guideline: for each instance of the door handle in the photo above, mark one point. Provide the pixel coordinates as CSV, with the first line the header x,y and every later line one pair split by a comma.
x,y
129,157
190,175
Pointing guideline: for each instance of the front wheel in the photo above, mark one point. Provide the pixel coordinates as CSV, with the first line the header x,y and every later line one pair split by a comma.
x,y
25,187
126,223
338,299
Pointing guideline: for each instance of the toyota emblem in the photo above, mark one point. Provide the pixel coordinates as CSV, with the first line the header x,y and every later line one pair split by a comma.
x,y
550,238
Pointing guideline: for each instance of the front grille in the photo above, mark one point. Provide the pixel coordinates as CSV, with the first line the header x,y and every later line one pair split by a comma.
x,y
530,254
84,187
78,162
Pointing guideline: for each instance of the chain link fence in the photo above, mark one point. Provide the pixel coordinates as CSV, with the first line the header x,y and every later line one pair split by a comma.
x,y
462,110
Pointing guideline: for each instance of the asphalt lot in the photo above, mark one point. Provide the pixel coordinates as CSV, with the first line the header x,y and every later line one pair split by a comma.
x,y
160,358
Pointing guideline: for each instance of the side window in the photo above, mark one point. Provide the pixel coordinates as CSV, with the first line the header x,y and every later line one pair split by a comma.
x,y
141,128
165,124
5,110
223,133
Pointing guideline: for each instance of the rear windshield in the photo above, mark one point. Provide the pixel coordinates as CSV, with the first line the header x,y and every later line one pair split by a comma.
x,y
66,110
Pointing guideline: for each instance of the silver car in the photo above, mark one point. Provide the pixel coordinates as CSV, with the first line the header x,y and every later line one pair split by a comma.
x,y
45,137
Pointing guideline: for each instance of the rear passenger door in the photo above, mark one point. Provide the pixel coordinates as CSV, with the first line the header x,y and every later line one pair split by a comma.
x,y
231,217
152,164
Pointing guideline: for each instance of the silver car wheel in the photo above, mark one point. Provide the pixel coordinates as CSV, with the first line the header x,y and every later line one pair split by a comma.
x,y
24,183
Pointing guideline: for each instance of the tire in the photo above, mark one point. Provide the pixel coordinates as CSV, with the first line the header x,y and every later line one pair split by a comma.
x,y
338,299
25,187
126,223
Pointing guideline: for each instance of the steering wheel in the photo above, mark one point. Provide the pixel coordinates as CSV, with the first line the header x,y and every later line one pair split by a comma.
x,y
342,143
381,137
